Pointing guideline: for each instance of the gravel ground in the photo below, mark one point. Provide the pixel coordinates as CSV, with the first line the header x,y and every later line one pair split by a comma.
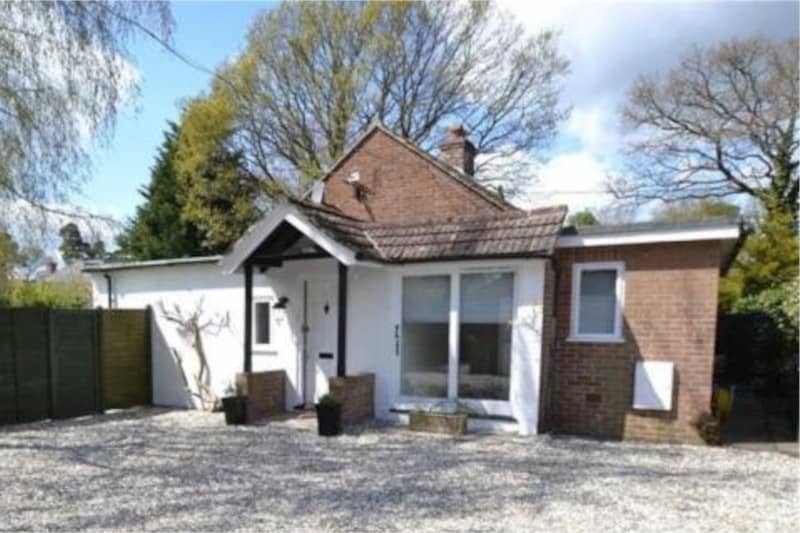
x,y
157,469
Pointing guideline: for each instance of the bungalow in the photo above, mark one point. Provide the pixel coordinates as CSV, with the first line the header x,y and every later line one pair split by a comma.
x,y
399,264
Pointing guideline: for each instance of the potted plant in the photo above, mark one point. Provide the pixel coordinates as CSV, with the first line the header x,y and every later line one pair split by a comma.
x,y
234,403
329,416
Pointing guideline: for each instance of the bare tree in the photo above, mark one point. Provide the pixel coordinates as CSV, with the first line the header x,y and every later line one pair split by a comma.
x,y
193,325
314,76
722,122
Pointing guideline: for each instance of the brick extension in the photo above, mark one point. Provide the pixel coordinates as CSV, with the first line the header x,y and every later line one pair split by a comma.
x,y
670,313
265,393
357,396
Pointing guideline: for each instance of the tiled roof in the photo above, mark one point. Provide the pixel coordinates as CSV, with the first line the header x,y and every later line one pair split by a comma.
x,y
509,234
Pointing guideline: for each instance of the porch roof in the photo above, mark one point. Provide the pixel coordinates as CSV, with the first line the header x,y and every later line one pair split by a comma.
x,y
509,234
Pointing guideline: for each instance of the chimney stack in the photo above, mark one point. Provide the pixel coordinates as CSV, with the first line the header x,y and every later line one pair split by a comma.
x,y
457,151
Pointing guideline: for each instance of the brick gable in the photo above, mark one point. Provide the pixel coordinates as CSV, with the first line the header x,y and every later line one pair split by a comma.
x,y
402,186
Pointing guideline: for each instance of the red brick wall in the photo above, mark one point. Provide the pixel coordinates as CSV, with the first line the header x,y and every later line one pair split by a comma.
x,y
265,393
357,395
401,186
670,312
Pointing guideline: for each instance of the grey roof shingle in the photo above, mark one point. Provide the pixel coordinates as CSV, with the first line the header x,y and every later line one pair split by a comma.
x,y
509,234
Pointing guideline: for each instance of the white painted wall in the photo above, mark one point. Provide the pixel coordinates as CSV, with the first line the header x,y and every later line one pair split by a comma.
x,y
221,299
373,312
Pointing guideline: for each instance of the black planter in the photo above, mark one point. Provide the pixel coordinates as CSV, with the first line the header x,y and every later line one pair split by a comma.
x,y
235,408
329,420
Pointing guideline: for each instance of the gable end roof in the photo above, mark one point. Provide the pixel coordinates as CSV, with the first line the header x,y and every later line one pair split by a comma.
x,y
463,179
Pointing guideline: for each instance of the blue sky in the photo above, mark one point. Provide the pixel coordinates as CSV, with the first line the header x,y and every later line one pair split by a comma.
x,y
608,44
208,32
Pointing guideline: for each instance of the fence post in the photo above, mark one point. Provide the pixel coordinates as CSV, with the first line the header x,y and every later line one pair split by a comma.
x,y
51,379
99,391
14,364
148,328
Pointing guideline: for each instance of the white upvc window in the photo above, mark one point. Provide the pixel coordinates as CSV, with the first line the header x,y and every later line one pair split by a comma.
x,y
262,323
598,291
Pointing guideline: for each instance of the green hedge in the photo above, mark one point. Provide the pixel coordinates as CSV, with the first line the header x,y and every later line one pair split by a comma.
x,y
67,294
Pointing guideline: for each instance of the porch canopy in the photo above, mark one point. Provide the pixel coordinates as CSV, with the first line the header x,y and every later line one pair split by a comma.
x,y
299,230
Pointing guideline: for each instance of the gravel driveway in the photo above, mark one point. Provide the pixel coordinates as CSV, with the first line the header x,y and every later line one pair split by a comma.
x,y
156,469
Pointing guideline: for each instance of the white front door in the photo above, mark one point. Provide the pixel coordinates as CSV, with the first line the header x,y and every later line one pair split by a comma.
x,y
320,327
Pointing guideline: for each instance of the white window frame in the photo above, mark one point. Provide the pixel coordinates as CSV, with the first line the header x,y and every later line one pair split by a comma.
x,y
455,271
271,344
577,272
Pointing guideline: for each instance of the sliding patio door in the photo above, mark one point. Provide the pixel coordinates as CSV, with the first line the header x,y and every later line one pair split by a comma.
x,y
424,361
457,338
484,358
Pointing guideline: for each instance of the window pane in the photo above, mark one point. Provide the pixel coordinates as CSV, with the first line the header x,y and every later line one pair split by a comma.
x,y
262,322
426,311
598,302
484,364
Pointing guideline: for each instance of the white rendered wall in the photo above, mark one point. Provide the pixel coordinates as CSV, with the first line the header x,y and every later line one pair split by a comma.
x,y
221,301
374,309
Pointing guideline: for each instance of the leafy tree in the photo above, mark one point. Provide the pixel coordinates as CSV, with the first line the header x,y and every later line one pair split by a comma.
x,y
761,290
97,250
9,257
74,248
159,230
221,197
769,259
315,75
695,211
723,122
583,218
65,73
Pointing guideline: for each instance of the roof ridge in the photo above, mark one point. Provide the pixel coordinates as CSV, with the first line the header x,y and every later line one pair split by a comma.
x,y
467,218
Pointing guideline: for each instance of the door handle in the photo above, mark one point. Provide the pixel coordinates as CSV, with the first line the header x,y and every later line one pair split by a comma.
x,y
397,340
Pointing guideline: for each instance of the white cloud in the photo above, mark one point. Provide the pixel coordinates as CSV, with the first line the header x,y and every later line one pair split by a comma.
x,y
576,179
595,127
608,45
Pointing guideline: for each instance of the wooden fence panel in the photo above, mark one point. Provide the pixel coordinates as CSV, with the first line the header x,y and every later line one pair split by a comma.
x,y
32,364
125,348
74,363
66,363
8,389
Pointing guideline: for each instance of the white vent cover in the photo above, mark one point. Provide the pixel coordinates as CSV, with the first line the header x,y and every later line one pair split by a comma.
x,y
353,177
652,387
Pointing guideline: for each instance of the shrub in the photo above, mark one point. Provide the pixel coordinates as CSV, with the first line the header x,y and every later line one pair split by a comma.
x,y
708,426
328,400
759,338
67,294
233,389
